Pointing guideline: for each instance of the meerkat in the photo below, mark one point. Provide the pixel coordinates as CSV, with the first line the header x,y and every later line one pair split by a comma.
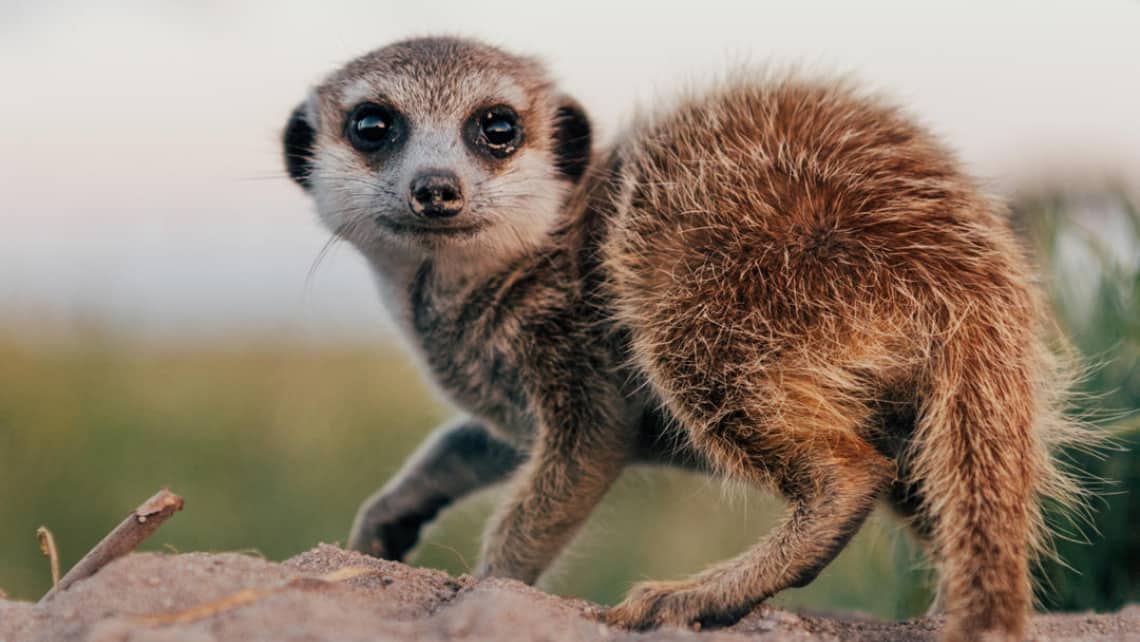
x,y
776,280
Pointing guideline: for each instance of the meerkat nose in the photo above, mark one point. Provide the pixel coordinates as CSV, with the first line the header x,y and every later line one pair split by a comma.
x,y
436,194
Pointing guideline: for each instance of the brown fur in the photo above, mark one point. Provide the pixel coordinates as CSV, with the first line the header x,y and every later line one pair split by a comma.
x,y
782,281
826,255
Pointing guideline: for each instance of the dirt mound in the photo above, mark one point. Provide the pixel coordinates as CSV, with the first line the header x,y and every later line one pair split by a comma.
x,y
332,594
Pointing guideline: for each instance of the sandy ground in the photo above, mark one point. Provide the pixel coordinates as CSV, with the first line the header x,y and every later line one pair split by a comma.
x,y
331,594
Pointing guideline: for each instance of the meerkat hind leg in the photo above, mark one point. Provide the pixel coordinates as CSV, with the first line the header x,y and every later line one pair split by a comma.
x,y
831,490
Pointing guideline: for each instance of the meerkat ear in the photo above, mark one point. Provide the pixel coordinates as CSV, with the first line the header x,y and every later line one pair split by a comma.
x,y
298,140
571,139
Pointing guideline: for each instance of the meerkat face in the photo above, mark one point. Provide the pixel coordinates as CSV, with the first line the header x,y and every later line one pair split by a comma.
x,y
438,145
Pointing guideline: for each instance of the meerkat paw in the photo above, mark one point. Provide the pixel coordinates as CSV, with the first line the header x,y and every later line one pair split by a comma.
x,y
680,604
654,604
384,533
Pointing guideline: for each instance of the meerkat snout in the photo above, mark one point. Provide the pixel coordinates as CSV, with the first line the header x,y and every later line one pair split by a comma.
x,y
435,193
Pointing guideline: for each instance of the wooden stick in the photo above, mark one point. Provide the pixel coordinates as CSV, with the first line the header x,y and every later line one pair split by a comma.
x,y
123,539
47,545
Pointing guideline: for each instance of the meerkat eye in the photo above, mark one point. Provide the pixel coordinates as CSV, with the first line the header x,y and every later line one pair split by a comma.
x,y
496,131
499,128
370,127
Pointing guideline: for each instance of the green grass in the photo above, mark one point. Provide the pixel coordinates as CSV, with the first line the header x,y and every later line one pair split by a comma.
x,y
273,444
265,447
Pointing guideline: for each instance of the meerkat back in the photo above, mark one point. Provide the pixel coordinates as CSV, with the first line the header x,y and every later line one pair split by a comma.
x,y
828,305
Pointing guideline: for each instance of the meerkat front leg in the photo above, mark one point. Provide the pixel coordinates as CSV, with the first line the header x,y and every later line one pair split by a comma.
x,y
456,459
580,451
557,489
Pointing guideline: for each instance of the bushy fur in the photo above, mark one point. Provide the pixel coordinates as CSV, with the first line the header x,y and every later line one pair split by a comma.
x,y
828,287
778,280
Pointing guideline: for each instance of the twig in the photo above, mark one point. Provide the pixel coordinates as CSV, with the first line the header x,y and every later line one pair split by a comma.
x,y
123,539
47,545
455,551
245,596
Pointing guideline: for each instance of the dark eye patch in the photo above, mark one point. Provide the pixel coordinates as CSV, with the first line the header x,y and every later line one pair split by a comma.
x,y
572,139
297,142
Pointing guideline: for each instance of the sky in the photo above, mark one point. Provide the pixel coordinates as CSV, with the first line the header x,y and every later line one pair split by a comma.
x,y
141,181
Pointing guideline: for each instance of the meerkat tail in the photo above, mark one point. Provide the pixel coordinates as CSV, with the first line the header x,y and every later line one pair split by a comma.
x,y
982,464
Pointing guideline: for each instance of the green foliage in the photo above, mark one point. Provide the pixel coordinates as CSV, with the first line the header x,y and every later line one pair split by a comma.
x,y
1101,561
1102,572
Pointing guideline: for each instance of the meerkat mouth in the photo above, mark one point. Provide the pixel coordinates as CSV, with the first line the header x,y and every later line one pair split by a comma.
x,y
430,229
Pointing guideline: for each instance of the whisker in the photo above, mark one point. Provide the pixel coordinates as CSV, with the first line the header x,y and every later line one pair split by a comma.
x,y
324,251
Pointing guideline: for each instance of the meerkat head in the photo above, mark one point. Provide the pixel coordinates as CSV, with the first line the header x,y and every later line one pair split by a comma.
x,y
438,145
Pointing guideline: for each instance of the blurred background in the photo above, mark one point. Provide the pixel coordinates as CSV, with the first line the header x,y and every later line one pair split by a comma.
x,y
167,315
